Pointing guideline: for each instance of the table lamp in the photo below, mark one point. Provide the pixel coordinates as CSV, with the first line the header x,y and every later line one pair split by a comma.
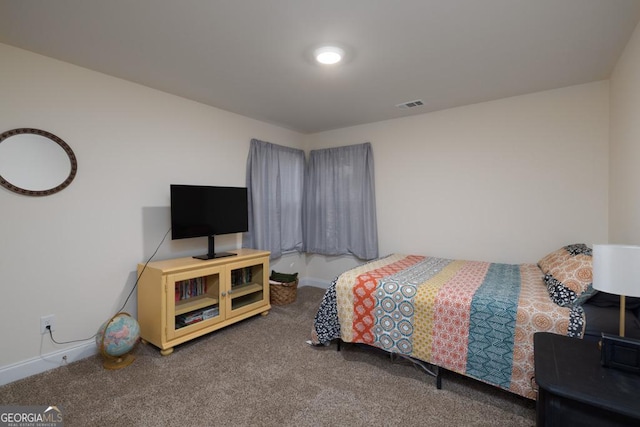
x,y
616,270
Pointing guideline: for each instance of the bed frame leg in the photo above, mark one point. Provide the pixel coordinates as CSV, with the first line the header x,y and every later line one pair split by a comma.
x,y
339,341
433,370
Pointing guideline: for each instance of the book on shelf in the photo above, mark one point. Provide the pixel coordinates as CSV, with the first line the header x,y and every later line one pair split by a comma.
x,y
190,288
241,276
196,316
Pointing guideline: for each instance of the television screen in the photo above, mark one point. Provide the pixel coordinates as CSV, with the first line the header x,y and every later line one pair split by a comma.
x,y
198,210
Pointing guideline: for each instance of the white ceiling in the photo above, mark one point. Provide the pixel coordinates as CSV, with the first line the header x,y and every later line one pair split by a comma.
x,y
252,57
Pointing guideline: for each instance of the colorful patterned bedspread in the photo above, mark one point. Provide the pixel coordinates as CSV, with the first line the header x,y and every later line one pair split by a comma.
x,y
474,318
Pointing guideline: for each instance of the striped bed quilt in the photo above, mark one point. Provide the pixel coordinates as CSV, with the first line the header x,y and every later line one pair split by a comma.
x,y
474,318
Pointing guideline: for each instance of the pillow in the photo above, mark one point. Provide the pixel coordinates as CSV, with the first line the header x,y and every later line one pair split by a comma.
x,y
568,275
556,258
564,296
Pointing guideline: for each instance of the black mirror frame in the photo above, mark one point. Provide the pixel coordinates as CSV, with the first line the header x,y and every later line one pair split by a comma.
x,y
72,158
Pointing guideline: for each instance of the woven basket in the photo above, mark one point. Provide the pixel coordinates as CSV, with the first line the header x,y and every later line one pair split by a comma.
x,y
283,293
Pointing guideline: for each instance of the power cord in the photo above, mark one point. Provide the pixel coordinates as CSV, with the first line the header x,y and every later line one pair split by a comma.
x,y
68,342
135,285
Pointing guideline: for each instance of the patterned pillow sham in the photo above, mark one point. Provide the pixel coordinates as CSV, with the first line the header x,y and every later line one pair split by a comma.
x,y
557,258
569,277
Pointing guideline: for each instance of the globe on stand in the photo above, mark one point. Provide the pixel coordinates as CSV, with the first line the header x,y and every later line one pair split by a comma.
x,y
116,338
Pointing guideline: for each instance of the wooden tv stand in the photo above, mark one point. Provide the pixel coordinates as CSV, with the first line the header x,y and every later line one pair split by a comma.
x,y
181,299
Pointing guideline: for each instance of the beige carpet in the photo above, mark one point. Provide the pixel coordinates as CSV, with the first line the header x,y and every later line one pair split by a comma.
x,y
261,372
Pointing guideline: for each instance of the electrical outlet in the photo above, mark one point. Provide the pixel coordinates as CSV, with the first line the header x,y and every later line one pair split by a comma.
x,y
49,321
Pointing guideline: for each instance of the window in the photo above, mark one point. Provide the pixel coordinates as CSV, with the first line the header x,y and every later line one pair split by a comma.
x,y
339,202
275,183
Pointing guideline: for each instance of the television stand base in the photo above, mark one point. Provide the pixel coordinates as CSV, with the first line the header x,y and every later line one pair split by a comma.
x,y
218,255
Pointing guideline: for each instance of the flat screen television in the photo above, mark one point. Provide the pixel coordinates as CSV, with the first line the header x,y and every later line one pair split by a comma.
x,y
206,211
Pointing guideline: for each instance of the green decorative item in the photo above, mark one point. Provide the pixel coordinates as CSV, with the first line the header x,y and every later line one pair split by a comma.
x,y
116,338
283,277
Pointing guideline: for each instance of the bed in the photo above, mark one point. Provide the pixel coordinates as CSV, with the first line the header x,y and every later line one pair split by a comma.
x,y
474,318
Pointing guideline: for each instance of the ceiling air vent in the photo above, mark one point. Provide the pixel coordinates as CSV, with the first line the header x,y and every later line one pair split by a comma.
x,y
411,104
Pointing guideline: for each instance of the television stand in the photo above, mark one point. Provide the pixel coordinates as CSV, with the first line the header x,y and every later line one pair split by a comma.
x,y
184,298
212,251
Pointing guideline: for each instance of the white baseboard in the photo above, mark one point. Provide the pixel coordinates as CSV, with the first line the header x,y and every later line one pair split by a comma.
x,y
313,281
36,365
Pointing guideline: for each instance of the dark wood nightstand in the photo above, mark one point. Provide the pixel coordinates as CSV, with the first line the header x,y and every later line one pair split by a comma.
x,y
575,390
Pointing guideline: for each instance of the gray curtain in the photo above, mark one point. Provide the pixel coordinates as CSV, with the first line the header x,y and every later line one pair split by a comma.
x,y
275,185
340,206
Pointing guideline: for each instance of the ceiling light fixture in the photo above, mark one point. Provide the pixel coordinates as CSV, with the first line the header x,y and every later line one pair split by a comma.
x,y
329,55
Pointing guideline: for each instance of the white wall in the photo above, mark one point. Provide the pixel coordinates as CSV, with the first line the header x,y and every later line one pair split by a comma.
x,y
505,181
74,254
624,184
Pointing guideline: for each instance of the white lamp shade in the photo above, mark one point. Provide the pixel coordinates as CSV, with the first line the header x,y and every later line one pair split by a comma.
x,y
616,269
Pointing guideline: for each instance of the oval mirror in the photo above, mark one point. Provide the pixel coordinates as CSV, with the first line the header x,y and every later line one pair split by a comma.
x,y
35,162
